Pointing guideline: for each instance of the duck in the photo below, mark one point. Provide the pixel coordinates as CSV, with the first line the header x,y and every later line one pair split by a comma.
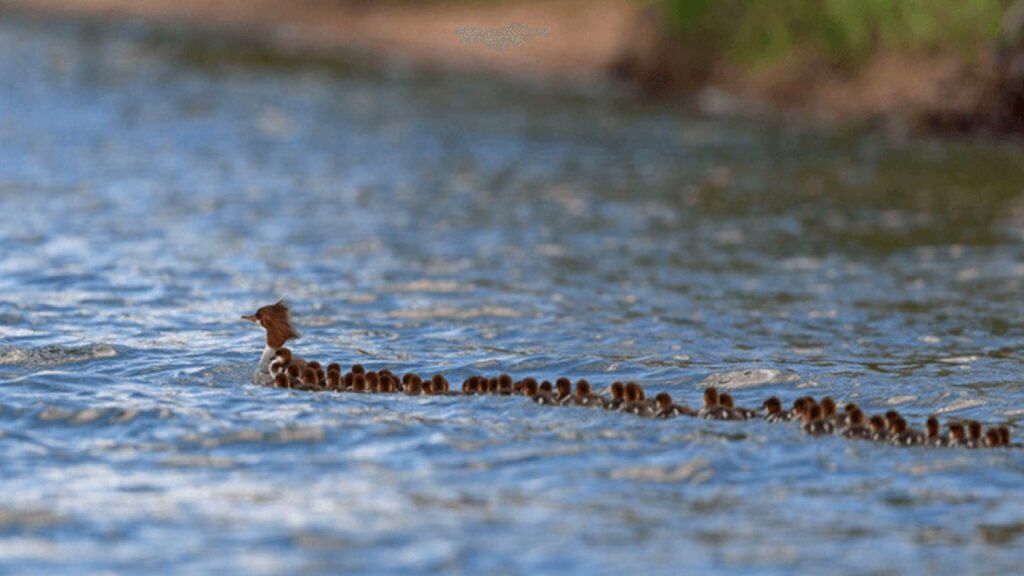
x,y
773,410
713,410
281,381
584,397
973,435
1004,436
636,402
855,427
957,435
903,435
879,429
563,390
308,382
668,409
276,320
413,385
505,385
539,395
814,422
617,393
334,380
933,433
992,439
797,411
725,399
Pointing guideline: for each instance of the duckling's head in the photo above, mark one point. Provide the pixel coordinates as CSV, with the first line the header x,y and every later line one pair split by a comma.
x,y
931,426
974,429
877,423
710,397
582,388
281,381
564,387
772,405
828,407
276,321
956,431
308,376
618,389
725,399
663,399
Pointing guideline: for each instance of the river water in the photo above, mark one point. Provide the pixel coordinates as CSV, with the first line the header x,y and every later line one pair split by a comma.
x,y
156,186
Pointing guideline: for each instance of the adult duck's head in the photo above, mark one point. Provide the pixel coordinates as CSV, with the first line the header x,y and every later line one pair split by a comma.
x,y
276,321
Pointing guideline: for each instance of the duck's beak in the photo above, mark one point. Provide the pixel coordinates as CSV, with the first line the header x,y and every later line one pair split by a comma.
x,y
249,317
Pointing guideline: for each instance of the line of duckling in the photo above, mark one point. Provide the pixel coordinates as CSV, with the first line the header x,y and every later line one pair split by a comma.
x,y
816,418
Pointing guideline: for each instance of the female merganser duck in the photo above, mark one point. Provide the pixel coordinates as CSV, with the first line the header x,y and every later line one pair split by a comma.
x,y
275,320
743,413
814,424
618,390
669,409
934,433
773,410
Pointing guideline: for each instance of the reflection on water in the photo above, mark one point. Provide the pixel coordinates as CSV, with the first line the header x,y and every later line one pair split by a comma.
x,y
154,191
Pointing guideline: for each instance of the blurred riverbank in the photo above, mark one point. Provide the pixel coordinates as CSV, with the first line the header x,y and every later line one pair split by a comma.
x,y
949,85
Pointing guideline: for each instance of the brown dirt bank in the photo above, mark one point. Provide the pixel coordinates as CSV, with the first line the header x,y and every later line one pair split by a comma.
x,y
594,40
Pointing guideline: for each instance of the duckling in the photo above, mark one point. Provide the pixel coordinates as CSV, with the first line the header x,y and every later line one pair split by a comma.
x,y
617,392
773,410
563,388
992,438
855,428
1004,436
902,435
973,434
799,406
505,385
934,433
814,424
334,380
636,402
539,395
725,399
584,397
879,429
281,381
668,409
308,380
957,435
413,386
713,409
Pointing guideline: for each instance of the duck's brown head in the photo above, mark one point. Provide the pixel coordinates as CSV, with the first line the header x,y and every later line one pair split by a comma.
x,y
275,319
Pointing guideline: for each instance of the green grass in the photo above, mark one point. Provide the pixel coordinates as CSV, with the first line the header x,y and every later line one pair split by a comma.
x,y
759,32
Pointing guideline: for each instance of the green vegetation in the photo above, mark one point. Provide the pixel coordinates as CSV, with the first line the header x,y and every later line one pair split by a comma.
x,y
758,32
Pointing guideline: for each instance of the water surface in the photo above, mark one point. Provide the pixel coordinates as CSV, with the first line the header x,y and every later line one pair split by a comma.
x,y
155,188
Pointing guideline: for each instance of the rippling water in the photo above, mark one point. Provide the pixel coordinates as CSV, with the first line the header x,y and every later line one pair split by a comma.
x,y
154,189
